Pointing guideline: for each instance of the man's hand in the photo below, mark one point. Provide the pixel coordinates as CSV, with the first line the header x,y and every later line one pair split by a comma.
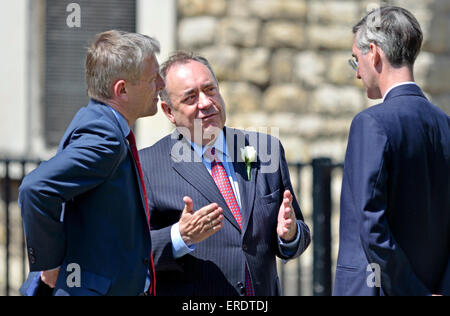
x,y
50,277
196,227
287,222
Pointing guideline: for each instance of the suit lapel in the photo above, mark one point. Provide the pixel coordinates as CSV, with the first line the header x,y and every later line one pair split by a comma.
x,y
196,174
108,113
247,188
105,111
138,177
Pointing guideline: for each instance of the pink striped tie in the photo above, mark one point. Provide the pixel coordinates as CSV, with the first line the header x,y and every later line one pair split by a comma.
x,y
220,177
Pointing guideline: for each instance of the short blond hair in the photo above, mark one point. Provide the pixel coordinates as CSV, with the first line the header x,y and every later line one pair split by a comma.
x,y
116,55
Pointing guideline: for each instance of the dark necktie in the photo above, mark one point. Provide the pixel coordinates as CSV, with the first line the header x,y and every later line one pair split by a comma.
x,y
220,177
132,142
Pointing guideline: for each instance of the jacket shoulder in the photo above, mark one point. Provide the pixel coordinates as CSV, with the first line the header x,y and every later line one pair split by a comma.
x,y
252,136
96,118
158,147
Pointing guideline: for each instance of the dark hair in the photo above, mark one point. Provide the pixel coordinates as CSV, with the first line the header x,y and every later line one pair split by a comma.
x,y
395,30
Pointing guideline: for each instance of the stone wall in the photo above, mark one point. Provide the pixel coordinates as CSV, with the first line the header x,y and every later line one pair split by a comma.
x,y
283,64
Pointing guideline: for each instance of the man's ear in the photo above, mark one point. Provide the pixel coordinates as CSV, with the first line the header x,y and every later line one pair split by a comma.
x,y
376,56
120,90
168,111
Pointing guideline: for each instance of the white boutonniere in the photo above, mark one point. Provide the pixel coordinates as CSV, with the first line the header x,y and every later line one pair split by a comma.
x,y
248,154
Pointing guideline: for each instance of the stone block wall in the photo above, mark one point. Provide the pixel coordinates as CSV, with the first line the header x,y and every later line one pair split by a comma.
x,y
283,64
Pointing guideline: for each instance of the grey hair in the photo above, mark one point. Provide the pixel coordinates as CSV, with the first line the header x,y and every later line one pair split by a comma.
x,y
116,55
177,58
395,30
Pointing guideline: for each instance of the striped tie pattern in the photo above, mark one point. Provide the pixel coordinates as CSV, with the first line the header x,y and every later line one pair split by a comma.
x,y
220,177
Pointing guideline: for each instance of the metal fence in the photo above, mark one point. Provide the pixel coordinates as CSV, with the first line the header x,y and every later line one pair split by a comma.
x,y
319,272
12,241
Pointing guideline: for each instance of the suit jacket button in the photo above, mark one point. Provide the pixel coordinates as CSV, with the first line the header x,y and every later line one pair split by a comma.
x,y
146,262
244,247
241,288
30,251
32,259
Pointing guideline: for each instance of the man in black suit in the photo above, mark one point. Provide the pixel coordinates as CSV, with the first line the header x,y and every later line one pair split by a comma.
x,y
395,204
247,214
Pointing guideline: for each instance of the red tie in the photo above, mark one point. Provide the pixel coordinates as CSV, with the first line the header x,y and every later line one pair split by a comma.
x,y
132,142
220,177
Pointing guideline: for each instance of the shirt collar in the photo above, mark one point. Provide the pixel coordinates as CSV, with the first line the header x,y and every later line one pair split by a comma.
x,y
220,145
123,124
397,85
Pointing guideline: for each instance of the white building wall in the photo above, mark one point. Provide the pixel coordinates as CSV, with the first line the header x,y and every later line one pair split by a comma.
x,y
13,77
156,18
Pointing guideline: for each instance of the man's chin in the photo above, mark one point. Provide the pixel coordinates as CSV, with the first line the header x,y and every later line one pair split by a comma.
x,y
152,111
211,133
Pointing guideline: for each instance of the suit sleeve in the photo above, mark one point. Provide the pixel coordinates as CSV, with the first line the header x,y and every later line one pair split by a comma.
x,y
367,165
305,237
87,159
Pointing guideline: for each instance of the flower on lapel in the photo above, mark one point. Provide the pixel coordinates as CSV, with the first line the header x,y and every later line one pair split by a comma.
x,y
249,155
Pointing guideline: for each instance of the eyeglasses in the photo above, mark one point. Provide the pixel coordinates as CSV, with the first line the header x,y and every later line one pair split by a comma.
x,y
353,63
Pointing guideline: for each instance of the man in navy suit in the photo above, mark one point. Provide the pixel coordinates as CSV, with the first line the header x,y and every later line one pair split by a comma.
x,y
218,222
84,210
395,203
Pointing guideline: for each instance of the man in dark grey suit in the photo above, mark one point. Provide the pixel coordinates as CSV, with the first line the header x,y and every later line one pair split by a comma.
x,y
395,204
246,211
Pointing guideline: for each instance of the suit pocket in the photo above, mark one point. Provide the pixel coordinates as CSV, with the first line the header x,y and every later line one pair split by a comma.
x,y
347,268
95,282
90,284
270,198
266,212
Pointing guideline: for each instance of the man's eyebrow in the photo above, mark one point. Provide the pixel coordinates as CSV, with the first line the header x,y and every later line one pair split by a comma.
x,y
208,84
203,86
189,91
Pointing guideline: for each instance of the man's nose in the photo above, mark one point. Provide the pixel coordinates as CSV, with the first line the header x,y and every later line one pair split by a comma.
x,y
161,83
204,101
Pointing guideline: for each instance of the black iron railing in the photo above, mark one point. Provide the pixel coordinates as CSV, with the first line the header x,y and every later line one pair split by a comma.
x,y
12,171
322,172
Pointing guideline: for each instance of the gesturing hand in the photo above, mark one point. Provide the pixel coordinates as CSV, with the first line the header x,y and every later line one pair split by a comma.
x,y
287,222
197,226
50,277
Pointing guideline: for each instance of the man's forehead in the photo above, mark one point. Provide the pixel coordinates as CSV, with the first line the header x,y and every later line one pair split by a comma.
x,y
190,66
152,63
186,74
355,48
